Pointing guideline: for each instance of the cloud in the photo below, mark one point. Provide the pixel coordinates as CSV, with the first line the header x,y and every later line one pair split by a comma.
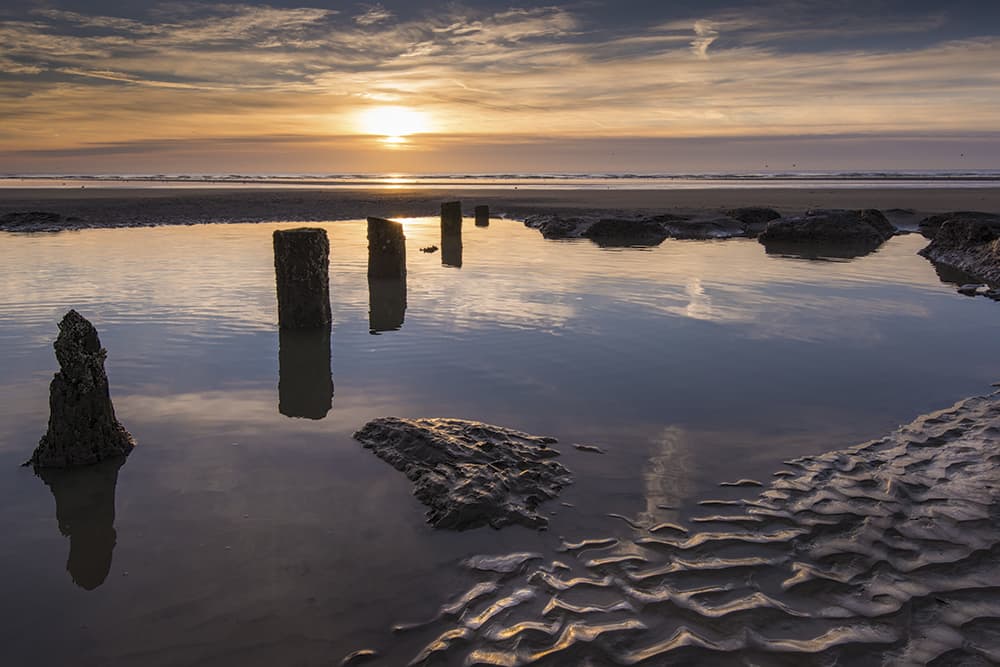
x,y
372,15
705,35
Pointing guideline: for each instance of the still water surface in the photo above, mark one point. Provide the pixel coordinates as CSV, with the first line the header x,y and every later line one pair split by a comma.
x,y
235,533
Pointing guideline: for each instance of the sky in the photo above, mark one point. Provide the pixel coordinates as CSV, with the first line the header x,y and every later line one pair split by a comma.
x,y
494,86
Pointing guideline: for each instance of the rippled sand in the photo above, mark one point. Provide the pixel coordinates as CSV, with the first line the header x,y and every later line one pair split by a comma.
x,y
885,553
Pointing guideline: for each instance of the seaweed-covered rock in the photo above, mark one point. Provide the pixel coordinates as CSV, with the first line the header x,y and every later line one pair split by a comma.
x,y
38,221
930,225
753,218
970,244
618,231
83,428
470,474
868,228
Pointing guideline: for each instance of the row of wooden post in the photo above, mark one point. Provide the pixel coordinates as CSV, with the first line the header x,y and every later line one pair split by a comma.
x,y
302,272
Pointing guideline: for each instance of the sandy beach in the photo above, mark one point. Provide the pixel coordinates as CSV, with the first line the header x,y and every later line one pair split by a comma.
x,y
117,207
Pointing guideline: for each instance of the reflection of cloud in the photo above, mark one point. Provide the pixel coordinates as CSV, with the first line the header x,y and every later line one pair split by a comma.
x,y
667,476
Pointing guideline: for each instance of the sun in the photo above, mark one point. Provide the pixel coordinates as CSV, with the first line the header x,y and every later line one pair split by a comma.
x,y
393,124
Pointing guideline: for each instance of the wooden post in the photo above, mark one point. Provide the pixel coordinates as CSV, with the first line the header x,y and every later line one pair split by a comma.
x,y
302,269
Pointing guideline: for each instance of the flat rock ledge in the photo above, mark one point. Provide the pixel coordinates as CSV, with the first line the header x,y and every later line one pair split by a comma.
x,y
467,473
970,243
83,429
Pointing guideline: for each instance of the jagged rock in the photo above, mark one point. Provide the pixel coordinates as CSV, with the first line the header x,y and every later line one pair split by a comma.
x,y
302,272
38,221
930,225
468,473
754,218
83,428
863,229
970,244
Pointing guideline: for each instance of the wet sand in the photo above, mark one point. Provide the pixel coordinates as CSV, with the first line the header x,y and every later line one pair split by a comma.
x,y
117,207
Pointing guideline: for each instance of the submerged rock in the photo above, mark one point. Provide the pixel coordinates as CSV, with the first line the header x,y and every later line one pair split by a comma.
x,y
38,221
470,474
83,428
720,227
930,225
970,244
866,228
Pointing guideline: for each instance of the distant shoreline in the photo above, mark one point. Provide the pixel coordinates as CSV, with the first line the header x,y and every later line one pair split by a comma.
x,y
135,206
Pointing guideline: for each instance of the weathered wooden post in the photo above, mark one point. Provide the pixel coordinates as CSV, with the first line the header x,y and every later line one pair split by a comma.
x,y
386,249
482,216
302,268
451,218
83,428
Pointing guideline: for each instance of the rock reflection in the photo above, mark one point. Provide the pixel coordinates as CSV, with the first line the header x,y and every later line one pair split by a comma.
x,y
386,304
85,511
305,385
949,275
819,251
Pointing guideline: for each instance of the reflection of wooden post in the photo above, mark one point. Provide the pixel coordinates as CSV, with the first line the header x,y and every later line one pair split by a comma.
x,y
482,216
302,268
386,304
386,249
305,386
451,217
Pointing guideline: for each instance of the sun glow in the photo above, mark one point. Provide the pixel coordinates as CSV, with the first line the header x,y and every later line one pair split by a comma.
x,y
393,124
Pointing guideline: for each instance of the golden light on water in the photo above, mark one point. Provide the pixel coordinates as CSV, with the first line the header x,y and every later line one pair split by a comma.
x,y
393,123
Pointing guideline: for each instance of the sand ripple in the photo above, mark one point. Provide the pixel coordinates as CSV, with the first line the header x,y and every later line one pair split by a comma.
x,y
886,553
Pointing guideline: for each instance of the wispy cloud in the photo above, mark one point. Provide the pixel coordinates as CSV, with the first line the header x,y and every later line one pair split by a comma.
x,y
373,14
705,35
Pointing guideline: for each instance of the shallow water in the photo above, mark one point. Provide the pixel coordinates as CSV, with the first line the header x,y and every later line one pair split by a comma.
x,y
237,533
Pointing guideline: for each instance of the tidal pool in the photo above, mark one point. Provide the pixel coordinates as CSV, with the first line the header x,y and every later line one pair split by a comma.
x,y
248,527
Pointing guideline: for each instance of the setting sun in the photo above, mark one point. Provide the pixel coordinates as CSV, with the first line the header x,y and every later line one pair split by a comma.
x,y
394,124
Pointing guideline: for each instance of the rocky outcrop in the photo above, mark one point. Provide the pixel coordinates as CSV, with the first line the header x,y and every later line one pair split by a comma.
x,y
721,227
83,428
930,225
467,473
858,229
38,221
616,231
638,231
302,272
753,218
970,244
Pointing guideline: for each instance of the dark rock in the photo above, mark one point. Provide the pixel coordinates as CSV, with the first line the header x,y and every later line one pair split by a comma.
x,y
482,216
930,225
862,230
970,244
85,512
970,289
470,474
555,227
429,248
621,232
83,428
38,221
305,384
705,228
386,249
753,218
302,269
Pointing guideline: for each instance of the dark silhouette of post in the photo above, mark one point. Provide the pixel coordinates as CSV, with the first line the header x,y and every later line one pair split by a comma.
x,y
482,216
451,234
85,512
305,385
386,249
302,269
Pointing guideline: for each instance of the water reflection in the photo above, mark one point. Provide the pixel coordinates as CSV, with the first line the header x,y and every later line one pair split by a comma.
x,y
820,251
949,275
85,511
305,385
667,477
386,304
451,248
